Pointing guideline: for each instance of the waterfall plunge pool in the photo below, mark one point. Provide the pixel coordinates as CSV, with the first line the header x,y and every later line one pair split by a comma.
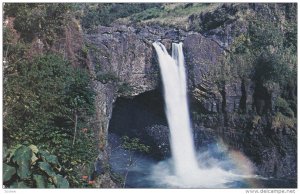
x,y
149,172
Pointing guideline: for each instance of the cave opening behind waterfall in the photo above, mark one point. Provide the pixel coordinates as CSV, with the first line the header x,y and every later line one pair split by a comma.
x,y
142,117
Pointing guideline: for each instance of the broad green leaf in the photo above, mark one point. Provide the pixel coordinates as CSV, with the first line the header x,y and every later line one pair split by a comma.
x,y
44,166
14,185
60,181
19,185
40,181
34,149
49,185
22,157
11,151
22,185
52,159
8,172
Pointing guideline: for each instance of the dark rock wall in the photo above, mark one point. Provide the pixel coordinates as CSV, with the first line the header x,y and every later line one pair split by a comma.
x,y
125,55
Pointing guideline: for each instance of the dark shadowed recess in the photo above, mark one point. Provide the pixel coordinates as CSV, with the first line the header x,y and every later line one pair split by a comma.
x,y
133,116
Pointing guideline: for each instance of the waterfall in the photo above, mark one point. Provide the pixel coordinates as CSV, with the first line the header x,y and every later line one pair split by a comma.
x,y
186,171
175,95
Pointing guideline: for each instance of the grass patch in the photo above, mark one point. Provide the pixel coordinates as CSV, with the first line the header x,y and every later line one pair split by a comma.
x,y
170,14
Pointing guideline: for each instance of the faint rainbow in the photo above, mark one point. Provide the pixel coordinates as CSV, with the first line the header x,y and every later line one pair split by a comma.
x,y
242,164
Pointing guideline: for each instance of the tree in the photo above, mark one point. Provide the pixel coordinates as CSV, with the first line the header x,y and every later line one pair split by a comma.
x,y
43,20
33,96
42,93
40,99
80,98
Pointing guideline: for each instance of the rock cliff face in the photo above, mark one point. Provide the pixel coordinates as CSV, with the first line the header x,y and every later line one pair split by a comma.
x,y
123,63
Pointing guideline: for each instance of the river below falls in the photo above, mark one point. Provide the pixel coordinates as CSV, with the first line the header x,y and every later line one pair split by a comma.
x,y
147,172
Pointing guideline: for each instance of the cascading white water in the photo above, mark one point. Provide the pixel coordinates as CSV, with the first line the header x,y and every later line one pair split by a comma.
x,y
187,173
174,82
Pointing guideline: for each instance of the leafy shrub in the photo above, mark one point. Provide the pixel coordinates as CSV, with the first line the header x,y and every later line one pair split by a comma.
x,y
33,98
282,106
25,167
42,98
85,50
106,13
124,88
44,94
269,67
45,21
147,14
264,33
133,144
279,121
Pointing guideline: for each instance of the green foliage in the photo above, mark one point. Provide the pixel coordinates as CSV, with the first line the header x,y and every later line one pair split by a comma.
x,y
38,173
266,54
270,67
45,21
290,40
171,14
264,33
60,181
40,181
274,48
21,184
280,121
8,172
40,99
85,51
282,106
12,53
124,88
51,159
22,157
33,96
79,94
133,144
147,14
42,95
106,13
45,167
